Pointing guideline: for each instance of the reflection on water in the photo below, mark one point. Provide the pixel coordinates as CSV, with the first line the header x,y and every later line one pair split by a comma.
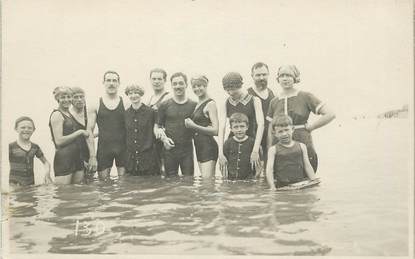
x,y
149,215
360,208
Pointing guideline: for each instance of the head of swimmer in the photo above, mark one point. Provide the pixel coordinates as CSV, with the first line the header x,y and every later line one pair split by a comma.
x,y
179,84
111,82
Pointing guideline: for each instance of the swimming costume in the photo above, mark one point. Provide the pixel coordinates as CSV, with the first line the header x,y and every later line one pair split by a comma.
x,y
67,158
181,155
83,147
245,106
21,163
205,145
111,136
238,155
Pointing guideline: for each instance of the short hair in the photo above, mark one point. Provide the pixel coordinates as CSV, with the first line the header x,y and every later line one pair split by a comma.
x,y
159,70
77,90
199,78
177,75
238,118
258,65
112,72
134,87
282,121
58,91
23,118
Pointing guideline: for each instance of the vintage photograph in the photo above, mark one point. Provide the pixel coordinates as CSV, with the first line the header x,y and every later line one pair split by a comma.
x,y
207,128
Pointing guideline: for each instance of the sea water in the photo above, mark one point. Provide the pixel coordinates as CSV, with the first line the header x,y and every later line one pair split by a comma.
x,y
360,208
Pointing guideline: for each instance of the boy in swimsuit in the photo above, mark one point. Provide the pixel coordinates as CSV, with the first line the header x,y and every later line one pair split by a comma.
x,y
139,123
288,161
22,153
237,150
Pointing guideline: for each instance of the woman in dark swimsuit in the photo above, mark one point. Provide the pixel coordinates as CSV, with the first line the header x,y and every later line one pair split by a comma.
x,y
204,122
67,163
79,113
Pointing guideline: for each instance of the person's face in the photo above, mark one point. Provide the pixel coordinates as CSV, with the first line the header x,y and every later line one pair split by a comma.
x,y
65,100
134,96
25,129
239,129
111,83
78,100
260,76
286,81
157,81
179,86
199,89
234,93
283,134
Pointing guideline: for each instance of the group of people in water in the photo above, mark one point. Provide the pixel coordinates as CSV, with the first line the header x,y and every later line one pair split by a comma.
x,y
157,136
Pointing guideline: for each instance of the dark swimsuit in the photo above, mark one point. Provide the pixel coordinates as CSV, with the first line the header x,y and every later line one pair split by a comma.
x,y
83,147
111,136
205,145
245,106
67,159
288,164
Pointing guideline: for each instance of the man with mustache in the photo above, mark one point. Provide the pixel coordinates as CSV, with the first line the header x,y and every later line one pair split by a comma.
x,y
109,117
260,73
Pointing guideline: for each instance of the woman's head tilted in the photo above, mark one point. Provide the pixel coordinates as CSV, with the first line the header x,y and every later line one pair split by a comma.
x,y
63,95
199,84
232,83
287,76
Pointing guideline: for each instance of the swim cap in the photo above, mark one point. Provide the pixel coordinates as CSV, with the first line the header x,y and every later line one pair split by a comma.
x,y
201,79
232,80
289,70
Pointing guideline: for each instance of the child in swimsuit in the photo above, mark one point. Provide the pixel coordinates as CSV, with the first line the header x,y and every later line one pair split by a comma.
x,y
22,153
237,150
288,161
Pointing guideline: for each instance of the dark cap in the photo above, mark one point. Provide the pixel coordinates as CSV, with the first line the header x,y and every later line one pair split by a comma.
x,y
232,80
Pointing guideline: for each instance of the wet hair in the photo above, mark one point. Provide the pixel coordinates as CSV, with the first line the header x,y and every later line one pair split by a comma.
x,y
199,78
238,118
159,70
23,118
134,87
258,65
77,90
112,72
58,91
282,121
178,74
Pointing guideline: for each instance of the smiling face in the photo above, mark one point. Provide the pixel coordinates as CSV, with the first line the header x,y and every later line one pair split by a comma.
x,y
111,83
199,89
286,81
283,134
239,129
260,76
25,129
179,86
65,100
134,96
157,81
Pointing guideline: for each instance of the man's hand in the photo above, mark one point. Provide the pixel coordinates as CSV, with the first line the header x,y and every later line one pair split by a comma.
x,y
168,143
255,162
92,164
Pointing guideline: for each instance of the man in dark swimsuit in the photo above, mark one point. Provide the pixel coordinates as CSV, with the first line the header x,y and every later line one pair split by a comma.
x,y
260,73
177,139
109,117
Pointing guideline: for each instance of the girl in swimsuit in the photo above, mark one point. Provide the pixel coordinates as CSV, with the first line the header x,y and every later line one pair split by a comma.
x,y
204,123
67,163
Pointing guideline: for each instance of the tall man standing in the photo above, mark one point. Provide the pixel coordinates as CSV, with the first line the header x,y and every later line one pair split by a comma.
x,y
108,114
260,73
177,139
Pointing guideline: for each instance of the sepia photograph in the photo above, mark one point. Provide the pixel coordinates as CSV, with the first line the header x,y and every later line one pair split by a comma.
x,y
223,129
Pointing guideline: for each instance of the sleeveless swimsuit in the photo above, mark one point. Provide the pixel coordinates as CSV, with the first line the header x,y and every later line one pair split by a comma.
x,y
83,147
288,164
67,158
205,145
245,106
111,136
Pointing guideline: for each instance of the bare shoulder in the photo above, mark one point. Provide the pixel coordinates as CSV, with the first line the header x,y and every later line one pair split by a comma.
x,y
56,116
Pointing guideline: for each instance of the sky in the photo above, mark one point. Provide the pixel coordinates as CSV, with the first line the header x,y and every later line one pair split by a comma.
x,y
356,56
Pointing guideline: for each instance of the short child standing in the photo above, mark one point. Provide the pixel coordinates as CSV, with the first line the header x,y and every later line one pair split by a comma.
x,y
139,123
22,153
288,161
237,150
